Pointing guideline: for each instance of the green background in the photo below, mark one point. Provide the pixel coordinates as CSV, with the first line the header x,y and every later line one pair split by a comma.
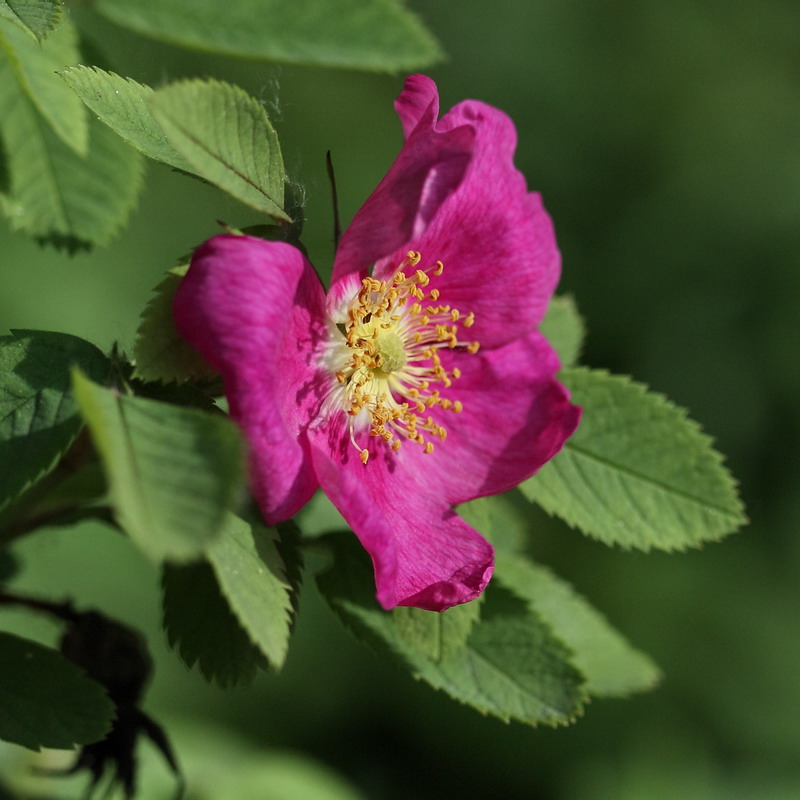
x,y
665,139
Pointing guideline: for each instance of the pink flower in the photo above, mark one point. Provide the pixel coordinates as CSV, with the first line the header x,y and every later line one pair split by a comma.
x,y
421,381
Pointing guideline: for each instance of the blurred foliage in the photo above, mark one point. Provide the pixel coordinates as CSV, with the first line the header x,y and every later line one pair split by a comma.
x,y
665,139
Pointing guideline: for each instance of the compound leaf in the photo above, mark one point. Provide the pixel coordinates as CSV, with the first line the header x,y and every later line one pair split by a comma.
x,y
507,664
227,138
123,105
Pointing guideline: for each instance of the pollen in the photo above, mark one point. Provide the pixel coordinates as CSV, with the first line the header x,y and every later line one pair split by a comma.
x,y
391,376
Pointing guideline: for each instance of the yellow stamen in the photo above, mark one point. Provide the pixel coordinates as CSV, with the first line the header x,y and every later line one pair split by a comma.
x,y
392,364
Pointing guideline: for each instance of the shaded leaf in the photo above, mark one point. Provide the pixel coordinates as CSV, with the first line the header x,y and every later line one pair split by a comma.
x,y
379,35
252,576
230,766
291,553
201,626
227,138
39,417
565,329
122,104
45,700
637,472
602,654
35,65
508,664
37,17
52,193
160,352
8,566
174,473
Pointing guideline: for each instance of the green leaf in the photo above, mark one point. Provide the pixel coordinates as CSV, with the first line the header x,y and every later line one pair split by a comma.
x,y
504,519
52,193
174,473
611,666
160,353
123,105
37,17
201,626
227,138
565,329
320,516
35,65
508,664
45,700
252,576
39,416
290,550
380,35
637,472
437,637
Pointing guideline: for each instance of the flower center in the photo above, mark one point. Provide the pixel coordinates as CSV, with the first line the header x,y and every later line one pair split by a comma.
x,y
391,352
391,372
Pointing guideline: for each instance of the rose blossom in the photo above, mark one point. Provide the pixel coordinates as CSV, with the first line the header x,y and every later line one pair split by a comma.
x,y
421,380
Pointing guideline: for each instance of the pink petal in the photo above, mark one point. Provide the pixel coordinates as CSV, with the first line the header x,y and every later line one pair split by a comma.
x,y
495,239
428,169
254,310
419,100
516,417
424,554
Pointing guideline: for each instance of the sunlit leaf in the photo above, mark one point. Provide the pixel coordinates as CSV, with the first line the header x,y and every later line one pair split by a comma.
x,y
45,700
227,138
379,35
39,416
122,104
564,329
174,473
637,472
35,65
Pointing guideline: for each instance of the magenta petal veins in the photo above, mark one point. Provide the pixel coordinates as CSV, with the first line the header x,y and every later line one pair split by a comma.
x,y
415,387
